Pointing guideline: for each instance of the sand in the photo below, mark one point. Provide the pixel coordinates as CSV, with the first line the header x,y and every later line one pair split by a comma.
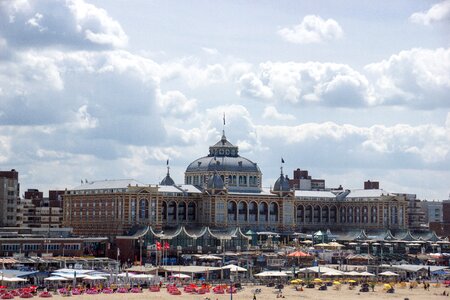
x,y
270,294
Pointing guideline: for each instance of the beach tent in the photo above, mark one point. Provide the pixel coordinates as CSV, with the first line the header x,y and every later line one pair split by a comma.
x,y
333,273
181,276
353,273
14,279
94,277
388,273
234,268
56,278
317,269
272,274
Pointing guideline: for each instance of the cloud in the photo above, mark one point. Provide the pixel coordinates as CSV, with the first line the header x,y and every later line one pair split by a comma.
x,y
270,112
326,84
438,12
71,23
417,78
176,104
313,29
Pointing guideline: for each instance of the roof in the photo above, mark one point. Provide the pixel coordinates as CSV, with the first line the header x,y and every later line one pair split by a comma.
x,y
107,184
362,193
315,194
223,163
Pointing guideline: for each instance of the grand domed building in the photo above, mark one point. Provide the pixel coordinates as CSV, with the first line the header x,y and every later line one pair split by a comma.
x,y
223,190
238,173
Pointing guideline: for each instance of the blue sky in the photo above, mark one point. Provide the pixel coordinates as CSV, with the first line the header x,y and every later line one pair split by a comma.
x,y
350,90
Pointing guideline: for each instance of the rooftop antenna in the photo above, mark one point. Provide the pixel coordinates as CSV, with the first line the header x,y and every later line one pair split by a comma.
x,y
223,130
168,167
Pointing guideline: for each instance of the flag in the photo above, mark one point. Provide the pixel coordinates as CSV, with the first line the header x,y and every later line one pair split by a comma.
x,y
158,246
282,160
166,246
118,251
223,118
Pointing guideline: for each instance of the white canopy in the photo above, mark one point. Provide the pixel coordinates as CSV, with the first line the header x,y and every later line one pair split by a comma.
x,y
388,273
179,275
56,278
210,257
69,275
316,270
14,279
272,274
94,277
333,273
353,273
366,274
234,268
141,276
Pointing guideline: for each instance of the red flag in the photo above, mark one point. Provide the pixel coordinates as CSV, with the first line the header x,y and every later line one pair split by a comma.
x,y
166,246
158,246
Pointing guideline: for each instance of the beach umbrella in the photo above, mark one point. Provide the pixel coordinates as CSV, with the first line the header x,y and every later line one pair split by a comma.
x,y
321,245
366,274
351,281
235,268
56,278
333,273
352,273
335,245
296,281
388,273
299,254
317,280
336,282
271,274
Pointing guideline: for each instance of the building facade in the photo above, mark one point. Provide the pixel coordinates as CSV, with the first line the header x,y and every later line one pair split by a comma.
x,y
223,190
9,197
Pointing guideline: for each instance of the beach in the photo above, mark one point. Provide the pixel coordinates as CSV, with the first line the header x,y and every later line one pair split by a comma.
x,y
288,292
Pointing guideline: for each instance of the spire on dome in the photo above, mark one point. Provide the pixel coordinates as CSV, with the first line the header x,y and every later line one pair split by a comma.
x,y
167,180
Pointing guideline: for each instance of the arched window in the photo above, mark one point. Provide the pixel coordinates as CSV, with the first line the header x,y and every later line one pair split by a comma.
x,y
253,211
333,214
343,215
316,218
273,212
172,211
232,211
263,212
308,214
325,214
143,209
192,216
242,211
181,211
164,211
300,214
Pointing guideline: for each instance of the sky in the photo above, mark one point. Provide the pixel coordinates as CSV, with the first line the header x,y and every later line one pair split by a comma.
x,y
350,90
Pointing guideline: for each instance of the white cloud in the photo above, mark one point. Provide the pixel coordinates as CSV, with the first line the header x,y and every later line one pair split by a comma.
x,y
418,78
313,29
312,82
71,23
270,112
438,12
250,85
176,104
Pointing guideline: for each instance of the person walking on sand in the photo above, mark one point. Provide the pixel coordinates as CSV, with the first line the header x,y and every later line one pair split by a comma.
x,y
254,296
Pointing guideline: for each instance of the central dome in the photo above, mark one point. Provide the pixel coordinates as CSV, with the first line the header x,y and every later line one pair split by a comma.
x,y
238,173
